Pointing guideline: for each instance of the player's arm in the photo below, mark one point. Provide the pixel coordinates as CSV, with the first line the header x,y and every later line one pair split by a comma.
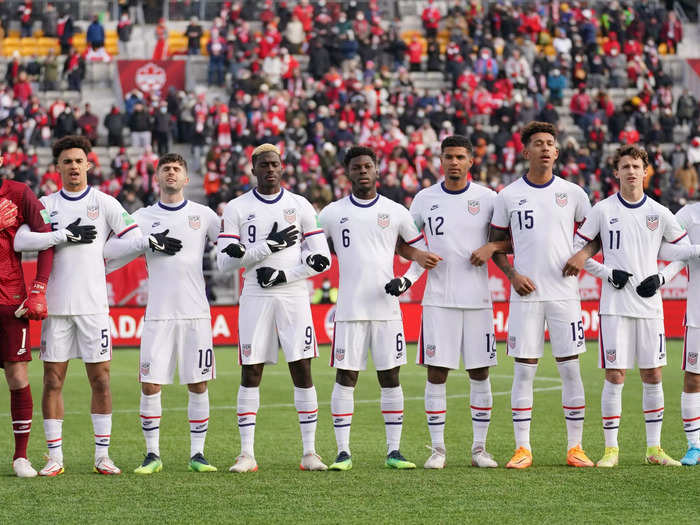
x,y
585,249
522,284
481,255
28,241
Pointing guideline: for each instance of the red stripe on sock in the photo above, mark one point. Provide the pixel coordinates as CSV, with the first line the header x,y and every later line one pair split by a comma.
x,y
481,408
392,411
611,417
199,420
689,420
307,411
654,410
574,408
148,417
103,435
435,411
53,440
248,414
342,415
521,409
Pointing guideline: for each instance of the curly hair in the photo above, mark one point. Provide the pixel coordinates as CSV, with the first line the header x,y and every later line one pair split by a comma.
x,y
631,150
170,158
358,151
534,127
71,142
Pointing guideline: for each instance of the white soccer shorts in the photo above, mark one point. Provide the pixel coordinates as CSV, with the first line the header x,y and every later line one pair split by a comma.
x,y
626,341
526,327
691,347
450,333
266,323
185,343
353,340
86,337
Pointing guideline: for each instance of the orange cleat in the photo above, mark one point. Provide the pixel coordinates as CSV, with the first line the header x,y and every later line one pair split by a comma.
x,y
521,459
576,457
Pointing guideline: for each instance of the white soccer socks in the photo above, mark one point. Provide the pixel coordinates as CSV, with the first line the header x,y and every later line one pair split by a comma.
x,y
480,404
306,403
653,406
611,410
521,402
436,412
248,405
690,412
102,425
342,407
392,410
150,411
53,429
198,415
573,400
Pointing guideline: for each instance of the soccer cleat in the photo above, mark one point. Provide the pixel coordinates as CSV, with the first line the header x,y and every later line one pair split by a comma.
x,y
395,460
342,462
104,465
437,460
521,459
692,457
481,458
151,464
657,456
244,463
23,468
610,457
52,468
198,463
312,462
576,457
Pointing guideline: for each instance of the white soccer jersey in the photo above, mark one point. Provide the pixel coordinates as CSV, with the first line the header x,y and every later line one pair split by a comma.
x,y
77,285
364,237
689,217
631,235
248,219
541,221
455,223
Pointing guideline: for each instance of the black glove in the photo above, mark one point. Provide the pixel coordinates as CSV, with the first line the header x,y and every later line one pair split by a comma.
x,y
80,234
619,278
648,286
279,240
235,250
160,242
397,286
318,263
268,277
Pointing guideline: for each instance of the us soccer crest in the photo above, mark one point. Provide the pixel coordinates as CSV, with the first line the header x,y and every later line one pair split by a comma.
x,y
511,341
692,358
145,368
430,350
194,221
652,222
339,354
93,212
383,220
473,207
562,199
290,215
247,350
611,355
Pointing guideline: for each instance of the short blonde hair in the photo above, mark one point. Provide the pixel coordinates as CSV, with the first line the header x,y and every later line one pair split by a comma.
x,y
265,148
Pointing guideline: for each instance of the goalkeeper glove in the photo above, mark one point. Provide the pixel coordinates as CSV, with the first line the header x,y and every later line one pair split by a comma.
x,y
160,242
318,263
648,286
8,213
76,234
268,277
34,306
279,240
397,286
619,278
235,250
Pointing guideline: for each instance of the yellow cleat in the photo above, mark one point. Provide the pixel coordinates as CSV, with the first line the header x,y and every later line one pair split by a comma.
x,y
576,457
657,456
610,458
521,459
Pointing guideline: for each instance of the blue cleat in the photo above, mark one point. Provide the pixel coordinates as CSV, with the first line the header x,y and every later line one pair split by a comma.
x,y
692,457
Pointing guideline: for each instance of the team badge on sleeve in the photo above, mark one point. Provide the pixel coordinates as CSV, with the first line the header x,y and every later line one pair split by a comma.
x,y
430,350
194,221
128,219
247,350
652,222
562,199
511,341
474,207
383,220
45,216
339,354
611,354
290,215
93,212
145,368
692,358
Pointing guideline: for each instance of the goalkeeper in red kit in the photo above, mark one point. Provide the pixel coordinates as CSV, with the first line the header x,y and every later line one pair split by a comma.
x,y
18,206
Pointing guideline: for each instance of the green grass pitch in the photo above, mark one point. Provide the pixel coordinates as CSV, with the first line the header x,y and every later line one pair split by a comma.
x,y
549,492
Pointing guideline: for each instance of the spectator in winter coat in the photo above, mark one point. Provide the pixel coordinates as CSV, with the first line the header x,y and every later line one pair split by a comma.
x,y
140,125
95,34
88,123
114,122
194,34
556,83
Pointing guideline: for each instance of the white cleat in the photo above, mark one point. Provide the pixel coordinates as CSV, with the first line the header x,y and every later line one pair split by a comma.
x,y
312,462
23,468
481,458
104,465
52,468
437,459
244,463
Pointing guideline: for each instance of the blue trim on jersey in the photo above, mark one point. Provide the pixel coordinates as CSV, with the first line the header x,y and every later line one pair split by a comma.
x,y
69,198
455,192
629,205
529,182
261,199
170,208
364,205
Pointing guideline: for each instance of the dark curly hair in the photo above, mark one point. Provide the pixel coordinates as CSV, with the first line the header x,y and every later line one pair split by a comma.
x,y
631,150
358,151
70,142
534,127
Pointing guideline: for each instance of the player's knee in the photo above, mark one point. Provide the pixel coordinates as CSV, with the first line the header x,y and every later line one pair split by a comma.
x,y
100,383
479,374
150,389
346,377
195,388
437,375
616,377
691,383
650,375
251,375
53,381
389,378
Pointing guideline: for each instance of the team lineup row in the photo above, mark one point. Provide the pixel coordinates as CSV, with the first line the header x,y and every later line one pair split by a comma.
x,y
451,230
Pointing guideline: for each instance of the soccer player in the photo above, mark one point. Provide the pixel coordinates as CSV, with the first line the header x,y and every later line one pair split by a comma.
x,y
631,229
455,216
78,325
365,228
177,327
539,211
264,231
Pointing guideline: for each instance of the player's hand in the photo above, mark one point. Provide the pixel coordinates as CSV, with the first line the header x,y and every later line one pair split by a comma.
x,y
619,278
77,234
427,260
34,307
318,263
268,277
575,264
481,255
235,250
160,242
648,287
8,213
397,286
279,240
523,285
